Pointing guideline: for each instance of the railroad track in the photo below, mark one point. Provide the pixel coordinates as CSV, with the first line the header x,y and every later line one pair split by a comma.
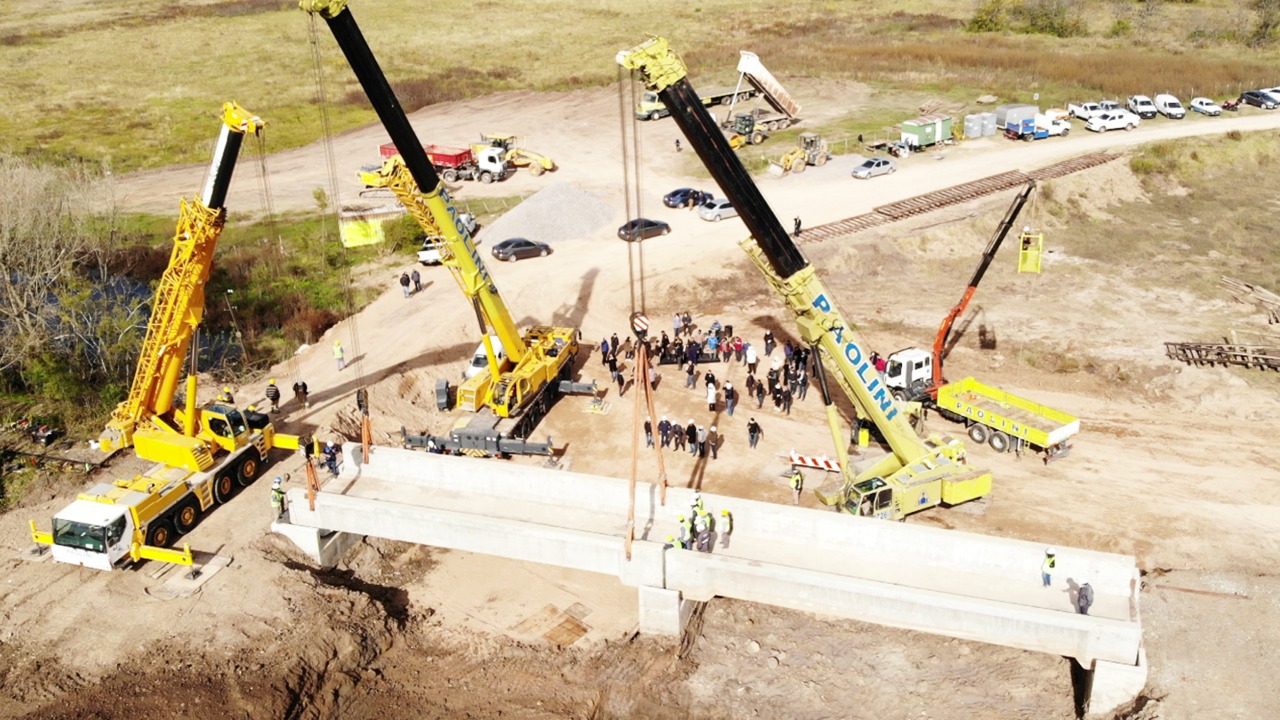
x,y
953,195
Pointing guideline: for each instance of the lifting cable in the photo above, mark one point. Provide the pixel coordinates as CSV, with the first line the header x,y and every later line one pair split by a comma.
x,y
326,230
266,200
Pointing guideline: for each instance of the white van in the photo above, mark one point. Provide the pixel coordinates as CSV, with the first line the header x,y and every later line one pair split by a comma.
x,y
1169,106
480,361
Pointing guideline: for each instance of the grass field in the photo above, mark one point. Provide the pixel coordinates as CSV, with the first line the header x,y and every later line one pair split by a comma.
x,y
129,84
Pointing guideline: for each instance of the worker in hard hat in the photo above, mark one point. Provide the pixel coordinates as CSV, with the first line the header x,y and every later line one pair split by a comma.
x,y
273,395
797,484
702,530
331,457
1046,567
339,355
277,498
726,526
686,530
226,396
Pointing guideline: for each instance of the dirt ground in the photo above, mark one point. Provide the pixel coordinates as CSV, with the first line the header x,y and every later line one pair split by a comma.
x,y
1172,466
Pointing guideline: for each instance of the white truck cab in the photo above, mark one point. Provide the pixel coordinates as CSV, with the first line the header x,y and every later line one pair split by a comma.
x,y
430,252
909,372
91,534
480,360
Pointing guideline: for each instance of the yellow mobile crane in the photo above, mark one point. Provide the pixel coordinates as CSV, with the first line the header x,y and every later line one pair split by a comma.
x,y
918,473
513,395
203,454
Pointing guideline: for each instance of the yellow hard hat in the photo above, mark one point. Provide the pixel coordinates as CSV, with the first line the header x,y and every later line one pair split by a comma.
x,y
226,389
724,512
337,342
272,381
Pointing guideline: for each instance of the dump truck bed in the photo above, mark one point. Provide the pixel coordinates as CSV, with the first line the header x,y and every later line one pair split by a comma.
x,y
1017,416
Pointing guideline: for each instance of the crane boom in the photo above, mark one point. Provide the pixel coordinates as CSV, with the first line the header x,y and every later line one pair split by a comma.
x,y
540,361
916,465
993,246
179,301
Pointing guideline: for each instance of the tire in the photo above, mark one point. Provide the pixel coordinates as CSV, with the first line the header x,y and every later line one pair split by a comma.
x,y
1128,127
450,175
899,394
160,534
893,170
822,160
757,137
224,486
715,219
486,177
535,169
1066,132
187,516
978,433
511,257
1000,442
666,231
726,100
799,166
248,468
543,253
655,115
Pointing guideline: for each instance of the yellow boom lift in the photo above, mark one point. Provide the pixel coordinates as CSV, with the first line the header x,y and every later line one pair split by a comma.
x,y
203,454
513,395
918,473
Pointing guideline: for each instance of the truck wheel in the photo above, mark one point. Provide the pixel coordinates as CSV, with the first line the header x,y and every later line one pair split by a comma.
x,y
535,169
757,137
1128,127
224,486
798,166
726,99
160,535
247,470
978,433
999,441
187,517
1066,132
486,177
822,160
655,115
449,175
899,394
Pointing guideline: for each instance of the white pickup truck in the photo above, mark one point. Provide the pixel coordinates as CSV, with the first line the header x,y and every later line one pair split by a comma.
x,y
1113,120
1083,111
1142,106
430,252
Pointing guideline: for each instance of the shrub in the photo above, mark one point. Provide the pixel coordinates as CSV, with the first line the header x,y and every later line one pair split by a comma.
x,y
991,16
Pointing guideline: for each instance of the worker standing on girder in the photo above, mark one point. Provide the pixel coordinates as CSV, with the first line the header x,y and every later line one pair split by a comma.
x,y
1084,598
1046,567
702,530
726,527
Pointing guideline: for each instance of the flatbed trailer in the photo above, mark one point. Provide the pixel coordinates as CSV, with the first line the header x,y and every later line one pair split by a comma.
x,y
1005,420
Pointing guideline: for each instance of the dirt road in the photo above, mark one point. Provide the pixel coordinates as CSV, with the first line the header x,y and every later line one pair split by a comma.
x,y
1172,466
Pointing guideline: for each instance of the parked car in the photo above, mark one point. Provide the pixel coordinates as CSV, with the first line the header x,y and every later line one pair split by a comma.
x,y
642,228
1259,98
1114,120
683,197
1109,106
517,248
1169,107
1205,106
872,167
717,209
430,254
1141,106
1083,111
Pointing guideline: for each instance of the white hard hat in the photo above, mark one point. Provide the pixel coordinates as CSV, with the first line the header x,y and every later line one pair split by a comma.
x,y
277,481
1050,551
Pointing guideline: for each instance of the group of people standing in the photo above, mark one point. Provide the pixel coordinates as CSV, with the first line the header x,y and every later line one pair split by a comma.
x,y
698,527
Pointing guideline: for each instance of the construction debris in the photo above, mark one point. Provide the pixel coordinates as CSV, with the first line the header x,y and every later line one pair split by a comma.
x,y
1263,357
1245,292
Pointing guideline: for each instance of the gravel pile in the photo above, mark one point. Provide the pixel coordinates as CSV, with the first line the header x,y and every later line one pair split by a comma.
x,y
557,212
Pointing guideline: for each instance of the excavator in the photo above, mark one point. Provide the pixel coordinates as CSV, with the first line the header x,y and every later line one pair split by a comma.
x,y
515,393
917,473
204,454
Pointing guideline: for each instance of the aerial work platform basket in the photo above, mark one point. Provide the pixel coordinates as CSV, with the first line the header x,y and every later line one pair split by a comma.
x,y
1031,246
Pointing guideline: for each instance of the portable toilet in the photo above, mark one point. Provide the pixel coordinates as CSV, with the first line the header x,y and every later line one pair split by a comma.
x,y
927,130
972,126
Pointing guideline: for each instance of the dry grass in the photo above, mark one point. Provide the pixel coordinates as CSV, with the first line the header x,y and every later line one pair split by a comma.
x,y
132,84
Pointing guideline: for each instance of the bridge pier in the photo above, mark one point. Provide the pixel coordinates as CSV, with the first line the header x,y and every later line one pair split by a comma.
x,y
324,547
1112,684
663,612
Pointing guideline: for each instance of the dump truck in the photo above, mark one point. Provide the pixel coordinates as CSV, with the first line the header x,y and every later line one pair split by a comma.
x,y
204,454
453,163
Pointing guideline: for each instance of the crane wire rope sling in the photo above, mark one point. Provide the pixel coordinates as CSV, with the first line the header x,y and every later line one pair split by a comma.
x,y
641,369
326,231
